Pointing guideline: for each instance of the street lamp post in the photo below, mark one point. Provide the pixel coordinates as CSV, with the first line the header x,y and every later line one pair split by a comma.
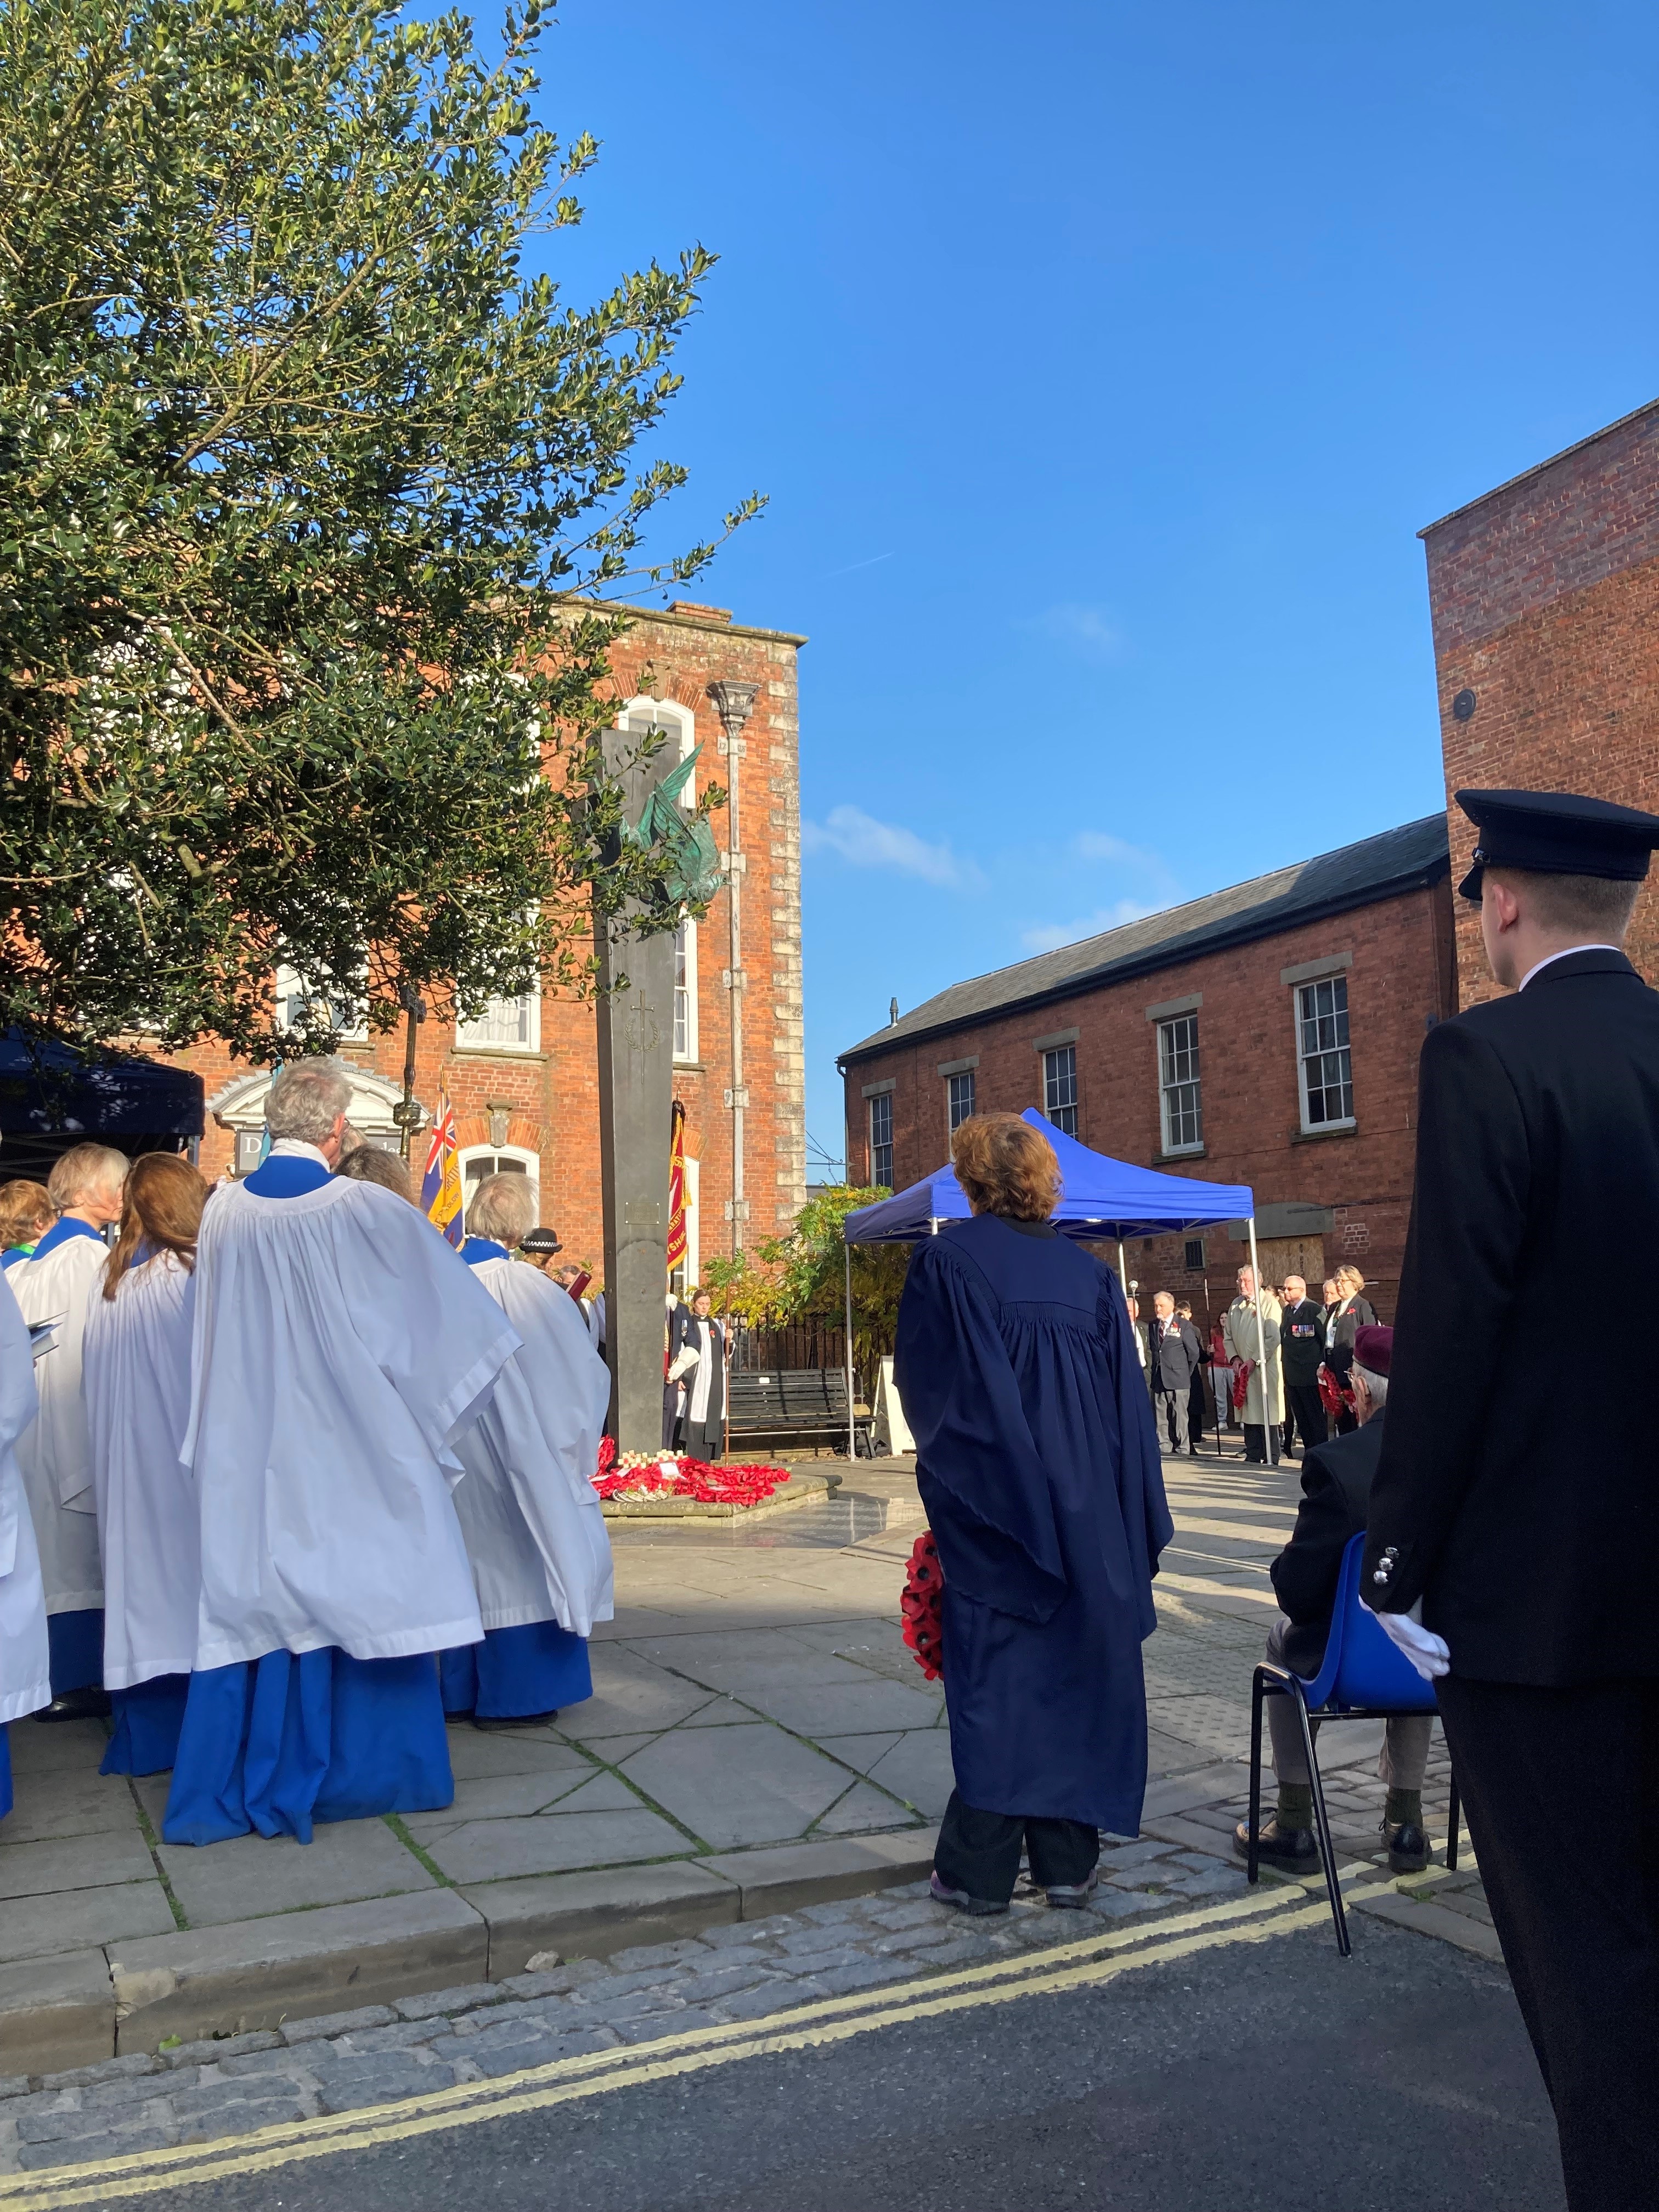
x,y
735,703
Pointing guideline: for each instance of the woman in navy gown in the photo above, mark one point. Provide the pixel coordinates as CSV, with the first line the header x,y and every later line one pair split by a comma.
x,y
1039,1464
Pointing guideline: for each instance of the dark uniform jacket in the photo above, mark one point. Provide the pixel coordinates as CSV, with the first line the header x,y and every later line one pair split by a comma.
x,y
1336,1482
1528,1531
1302,1342
1176,1354
1342,1328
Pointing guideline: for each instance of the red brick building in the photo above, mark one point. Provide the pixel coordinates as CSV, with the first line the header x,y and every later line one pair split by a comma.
x,y
523,1081
1545,598
1267,1035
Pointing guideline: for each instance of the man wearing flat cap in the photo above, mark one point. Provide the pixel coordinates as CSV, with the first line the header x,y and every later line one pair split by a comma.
x,y
1508,1555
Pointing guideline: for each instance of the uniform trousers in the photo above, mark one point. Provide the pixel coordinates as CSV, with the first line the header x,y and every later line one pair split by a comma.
x,y
1581,1940
1172,1416
1305,1410
979,1852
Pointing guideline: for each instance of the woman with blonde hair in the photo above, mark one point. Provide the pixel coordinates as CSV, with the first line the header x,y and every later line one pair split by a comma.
x,y
135,1376
1352,1312
1039,1464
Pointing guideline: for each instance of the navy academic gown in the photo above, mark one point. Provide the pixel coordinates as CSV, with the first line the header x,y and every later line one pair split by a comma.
x,y
1038,1462
274,1745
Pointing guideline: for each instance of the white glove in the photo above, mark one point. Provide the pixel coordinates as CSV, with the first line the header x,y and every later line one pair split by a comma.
x,y
1427,1652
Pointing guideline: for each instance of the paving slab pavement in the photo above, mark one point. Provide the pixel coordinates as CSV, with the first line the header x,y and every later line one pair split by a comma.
x,y
759,1738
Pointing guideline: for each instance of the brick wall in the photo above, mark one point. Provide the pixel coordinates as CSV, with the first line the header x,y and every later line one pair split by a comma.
x,y
1400,979
1545,600
550,1096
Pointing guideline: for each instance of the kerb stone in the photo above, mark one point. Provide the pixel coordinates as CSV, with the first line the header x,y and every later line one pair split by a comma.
x,y
598,1913
56,2013
256,1973
783,1880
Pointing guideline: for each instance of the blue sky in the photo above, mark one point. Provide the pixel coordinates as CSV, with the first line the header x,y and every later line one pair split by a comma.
x,y
1101,364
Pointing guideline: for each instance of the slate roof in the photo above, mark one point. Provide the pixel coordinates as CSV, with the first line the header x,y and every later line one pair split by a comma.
x,y
1415,854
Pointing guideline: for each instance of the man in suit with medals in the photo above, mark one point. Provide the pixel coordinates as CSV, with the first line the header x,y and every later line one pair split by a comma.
x,y
1508,1555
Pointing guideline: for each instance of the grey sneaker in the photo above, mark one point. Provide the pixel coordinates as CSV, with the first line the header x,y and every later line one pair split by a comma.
x,y
980,1907
1073,1896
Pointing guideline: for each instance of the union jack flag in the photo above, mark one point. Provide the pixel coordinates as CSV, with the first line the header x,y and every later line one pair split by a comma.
x,y
441,1185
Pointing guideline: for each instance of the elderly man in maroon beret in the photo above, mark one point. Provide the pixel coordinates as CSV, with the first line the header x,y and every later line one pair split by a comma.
x,y
1336,1482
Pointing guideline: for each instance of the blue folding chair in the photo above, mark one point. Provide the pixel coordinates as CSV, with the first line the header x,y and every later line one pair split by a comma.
x,y
1361,1677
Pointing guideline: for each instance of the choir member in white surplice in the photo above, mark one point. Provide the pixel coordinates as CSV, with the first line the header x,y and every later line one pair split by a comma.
x,y
338,1345
25,1682
135,1378
58,1283
534,1529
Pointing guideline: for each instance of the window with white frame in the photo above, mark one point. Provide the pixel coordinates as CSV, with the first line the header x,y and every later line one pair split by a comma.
x,y
881,1141
300,1005
478,1161
959,1098
1059,1087
679,725
1322,1054
505,1025
685,991
1178,1085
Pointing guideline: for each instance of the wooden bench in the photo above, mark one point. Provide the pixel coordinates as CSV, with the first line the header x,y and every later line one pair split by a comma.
x,y
796,1402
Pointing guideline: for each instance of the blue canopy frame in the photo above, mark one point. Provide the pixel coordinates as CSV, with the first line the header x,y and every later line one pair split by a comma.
x,y
1101,1197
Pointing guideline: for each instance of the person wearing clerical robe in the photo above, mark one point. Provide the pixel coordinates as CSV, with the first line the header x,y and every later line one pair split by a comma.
x,y
337,1347
534,1527
705,1387
1038,1462
25,1661
134,1377
58,1283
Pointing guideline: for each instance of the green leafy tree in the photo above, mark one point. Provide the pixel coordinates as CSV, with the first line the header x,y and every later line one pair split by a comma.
x,y
306,482
802,1277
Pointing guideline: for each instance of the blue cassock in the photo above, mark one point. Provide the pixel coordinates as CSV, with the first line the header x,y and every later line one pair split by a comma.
x,y
536,1668
1038,1462
277,1743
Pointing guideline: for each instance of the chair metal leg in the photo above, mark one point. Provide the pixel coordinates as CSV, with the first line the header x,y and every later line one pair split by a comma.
x,y
1451,1825
1333,1889
1253,1866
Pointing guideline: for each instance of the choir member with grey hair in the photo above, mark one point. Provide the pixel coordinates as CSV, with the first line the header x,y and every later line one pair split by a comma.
x,y
58,1283
534,1529
338,1348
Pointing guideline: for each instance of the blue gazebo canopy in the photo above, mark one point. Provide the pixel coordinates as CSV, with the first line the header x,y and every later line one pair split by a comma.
x,y
51,1091
1101,1197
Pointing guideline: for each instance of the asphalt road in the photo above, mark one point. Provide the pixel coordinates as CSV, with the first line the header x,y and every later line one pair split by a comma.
x,y
1266,2076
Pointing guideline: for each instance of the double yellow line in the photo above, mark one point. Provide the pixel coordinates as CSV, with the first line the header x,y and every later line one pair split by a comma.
x,y
1260,1917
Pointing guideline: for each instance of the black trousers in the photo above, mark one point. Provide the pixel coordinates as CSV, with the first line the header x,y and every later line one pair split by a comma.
x,y
980,1851
1305,1411
1580,1933
1172,1416
1262,1443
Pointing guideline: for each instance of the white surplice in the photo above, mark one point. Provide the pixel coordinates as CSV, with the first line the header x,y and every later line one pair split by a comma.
x,y
338,1344
135,1378
54,1453
532,1517
25,1664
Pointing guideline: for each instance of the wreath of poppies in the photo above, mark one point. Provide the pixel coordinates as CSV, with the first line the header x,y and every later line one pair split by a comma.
x,y
921,1606
674,1474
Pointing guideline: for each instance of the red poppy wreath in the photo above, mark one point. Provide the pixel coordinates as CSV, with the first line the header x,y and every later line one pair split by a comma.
x,y
921,1603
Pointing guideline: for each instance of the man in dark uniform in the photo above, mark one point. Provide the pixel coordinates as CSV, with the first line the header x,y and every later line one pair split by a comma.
x,y
1527,1551
1302,1346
